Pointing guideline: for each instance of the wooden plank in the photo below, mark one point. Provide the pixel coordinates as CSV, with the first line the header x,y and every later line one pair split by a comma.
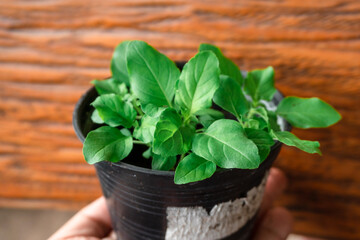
x,y
50,50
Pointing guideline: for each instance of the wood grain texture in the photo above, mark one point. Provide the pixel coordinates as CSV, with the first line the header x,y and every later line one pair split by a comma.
x,y
51,49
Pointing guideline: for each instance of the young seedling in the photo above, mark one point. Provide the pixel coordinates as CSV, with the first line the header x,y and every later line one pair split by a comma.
x,y
197,120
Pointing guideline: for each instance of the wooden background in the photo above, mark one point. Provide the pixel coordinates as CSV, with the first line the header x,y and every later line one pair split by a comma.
x,y
51,49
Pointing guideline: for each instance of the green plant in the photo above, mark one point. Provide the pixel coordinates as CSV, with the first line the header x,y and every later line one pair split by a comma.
x,y
149,101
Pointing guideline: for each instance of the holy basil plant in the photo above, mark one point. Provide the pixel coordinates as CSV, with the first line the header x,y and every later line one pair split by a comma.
x,y
194,121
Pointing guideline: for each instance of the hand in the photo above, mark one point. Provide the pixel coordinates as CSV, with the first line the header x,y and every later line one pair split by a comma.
x,y
93,221
273,223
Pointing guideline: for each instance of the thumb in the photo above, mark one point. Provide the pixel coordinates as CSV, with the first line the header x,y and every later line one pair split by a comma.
x,y
276,225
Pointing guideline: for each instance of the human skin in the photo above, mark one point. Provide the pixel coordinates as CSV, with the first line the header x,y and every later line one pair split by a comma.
x,y
93,221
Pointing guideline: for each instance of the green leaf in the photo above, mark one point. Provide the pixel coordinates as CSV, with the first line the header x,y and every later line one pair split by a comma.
x,y
114,111
256,123
259,84
107,144
273,122
152,110
208,116
210,111
163,163
198,81
118,63
109,86
147,153
146,130
225,143
152,75
251,123
262,140
227,67
193,168
307,112
96,118
291,140
193,120
230,97
260,112
170,137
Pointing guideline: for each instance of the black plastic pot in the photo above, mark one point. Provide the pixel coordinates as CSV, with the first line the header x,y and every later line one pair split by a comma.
x,y
139,198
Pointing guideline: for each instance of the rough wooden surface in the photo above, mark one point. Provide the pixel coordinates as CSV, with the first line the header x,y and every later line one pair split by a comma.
x,y
51,49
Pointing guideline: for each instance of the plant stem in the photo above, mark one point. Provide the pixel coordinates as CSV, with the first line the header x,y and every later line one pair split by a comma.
x,y
199,130
241,123
139,142
251,113
186,117
239,119
139,111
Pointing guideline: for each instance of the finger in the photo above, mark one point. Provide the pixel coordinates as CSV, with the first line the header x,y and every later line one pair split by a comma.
x,y
275,186
111,236
276,225
297,237
92,221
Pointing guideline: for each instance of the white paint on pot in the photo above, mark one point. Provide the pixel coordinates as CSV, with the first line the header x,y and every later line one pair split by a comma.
x,y
272,107
224,219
